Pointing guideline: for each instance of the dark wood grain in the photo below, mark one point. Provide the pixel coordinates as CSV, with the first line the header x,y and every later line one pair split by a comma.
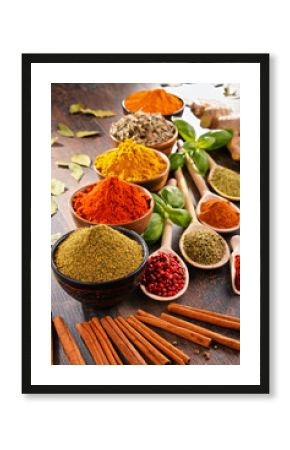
x,y
207,289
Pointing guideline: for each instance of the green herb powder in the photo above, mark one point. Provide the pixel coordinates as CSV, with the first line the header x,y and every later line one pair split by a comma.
x,y
226,181
98,254
204,247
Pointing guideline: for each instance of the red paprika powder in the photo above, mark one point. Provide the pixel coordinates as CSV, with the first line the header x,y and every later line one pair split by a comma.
x,y
111,201
237,267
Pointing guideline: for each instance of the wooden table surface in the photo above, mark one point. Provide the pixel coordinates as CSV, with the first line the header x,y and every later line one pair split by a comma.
x,y
207,289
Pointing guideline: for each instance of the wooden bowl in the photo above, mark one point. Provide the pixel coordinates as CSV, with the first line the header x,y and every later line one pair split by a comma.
x,y
164,147
153,185
137,225
108,293
177,113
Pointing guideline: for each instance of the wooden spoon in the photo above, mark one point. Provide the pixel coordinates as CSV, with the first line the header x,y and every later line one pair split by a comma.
x,y
206,194
235,243
213,166
194,226
166,248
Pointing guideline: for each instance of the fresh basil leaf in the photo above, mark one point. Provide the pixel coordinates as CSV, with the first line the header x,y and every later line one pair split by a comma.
x,y
159,206
155,229
205,141
186,131
222,138
176,161
180,217
173,196
200,160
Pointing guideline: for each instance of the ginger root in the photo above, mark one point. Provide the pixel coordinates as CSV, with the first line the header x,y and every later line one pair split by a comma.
x,y
215,116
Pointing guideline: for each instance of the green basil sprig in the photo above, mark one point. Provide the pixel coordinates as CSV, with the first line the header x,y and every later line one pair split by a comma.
x,y
173,196
195,147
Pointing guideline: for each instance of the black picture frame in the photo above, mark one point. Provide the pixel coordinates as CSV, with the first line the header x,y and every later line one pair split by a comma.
x,y
27,61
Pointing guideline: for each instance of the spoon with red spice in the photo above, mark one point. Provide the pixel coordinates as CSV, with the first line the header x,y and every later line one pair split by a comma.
x,y
235,263
196,226
212,207
166,275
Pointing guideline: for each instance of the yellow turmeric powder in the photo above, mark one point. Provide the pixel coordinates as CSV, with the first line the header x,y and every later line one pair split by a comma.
x,y
153,101
130,162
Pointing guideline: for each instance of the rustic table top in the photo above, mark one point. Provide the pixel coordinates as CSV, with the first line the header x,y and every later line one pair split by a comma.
x,y
207,289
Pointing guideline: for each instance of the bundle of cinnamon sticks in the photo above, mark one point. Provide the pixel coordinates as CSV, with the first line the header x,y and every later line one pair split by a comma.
x,y
118,341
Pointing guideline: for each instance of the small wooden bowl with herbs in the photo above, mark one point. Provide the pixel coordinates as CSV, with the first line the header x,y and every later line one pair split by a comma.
x,y
112,202
150,170
99,266
151,130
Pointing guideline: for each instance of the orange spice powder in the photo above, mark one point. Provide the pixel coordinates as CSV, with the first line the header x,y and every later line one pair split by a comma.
x,y
153,101
219,214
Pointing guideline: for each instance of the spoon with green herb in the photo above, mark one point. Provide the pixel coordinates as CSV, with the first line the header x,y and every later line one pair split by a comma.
x,y
166,249
201,246
224,181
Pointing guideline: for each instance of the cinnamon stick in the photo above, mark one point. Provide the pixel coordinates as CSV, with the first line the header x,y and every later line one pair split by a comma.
x,y
148,350
69,345
168,349
209,312
122,343
105,342
203,316
220,338
92,343
189,335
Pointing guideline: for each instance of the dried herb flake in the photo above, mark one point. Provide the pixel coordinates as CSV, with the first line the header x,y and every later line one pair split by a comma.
x,y
57,187
54,206
76,171
81,159
64,130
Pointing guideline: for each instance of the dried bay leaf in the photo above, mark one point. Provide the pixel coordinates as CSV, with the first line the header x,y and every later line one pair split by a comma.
x,y
82,159
99,112
83,134
54,206
76,171
54,140
55,237
76,108
64,130
80,108
57,187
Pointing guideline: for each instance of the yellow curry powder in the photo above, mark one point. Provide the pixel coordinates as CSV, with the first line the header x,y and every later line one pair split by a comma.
x,y
130,162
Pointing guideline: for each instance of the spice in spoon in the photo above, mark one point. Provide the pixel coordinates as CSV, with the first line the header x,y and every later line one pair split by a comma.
x,y
237,267
226,181
219,214
204,247
164,275
98,254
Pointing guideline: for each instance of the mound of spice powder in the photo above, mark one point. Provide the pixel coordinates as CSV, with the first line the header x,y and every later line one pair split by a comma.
x,y
98,254
153,101
131,162
164,275
219,214
111,201
226,181
204,247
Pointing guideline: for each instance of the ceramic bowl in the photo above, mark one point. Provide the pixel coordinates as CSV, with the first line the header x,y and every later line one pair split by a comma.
x,y
177,113
153,185
137,225
164,147
106,294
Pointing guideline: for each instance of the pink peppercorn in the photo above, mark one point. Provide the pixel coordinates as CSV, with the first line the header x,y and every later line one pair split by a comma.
x,y
164,275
